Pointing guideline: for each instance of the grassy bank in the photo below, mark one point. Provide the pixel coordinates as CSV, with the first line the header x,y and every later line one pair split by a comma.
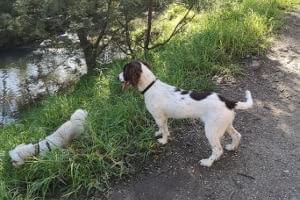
x,y
119,129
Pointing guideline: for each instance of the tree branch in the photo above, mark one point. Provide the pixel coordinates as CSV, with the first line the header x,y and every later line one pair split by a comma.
x,y
124,50
149,25
103,30
176,29
127,34
128,41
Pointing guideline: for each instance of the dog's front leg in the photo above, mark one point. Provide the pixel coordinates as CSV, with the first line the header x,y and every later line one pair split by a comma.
x,y
162,123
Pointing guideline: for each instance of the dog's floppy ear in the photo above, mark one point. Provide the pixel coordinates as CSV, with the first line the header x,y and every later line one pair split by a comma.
x,y
132,72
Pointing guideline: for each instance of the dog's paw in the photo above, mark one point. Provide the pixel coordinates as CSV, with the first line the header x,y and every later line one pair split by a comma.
x,y
229,147
157,133
163,140
206,162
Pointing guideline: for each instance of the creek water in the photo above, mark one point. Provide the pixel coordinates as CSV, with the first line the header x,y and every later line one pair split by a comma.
x,y
28,74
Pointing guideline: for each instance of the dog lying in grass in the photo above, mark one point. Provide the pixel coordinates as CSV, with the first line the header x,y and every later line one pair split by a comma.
x,y
164,101
61,138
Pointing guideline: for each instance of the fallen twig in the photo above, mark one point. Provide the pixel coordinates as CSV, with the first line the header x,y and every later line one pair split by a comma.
x,y
231,195
245,175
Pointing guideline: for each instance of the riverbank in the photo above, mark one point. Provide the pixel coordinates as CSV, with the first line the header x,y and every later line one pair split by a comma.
x,y
119,129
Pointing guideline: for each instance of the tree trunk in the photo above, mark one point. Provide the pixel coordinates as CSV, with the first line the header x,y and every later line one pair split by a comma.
x,y
88,50
149,27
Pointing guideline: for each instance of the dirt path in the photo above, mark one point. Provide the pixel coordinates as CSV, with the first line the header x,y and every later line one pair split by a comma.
x,y
267,164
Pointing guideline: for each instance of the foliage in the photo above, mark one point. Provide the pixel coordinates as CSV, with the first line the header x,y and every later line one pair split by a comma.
x,y
119,130
97,23
26,21
145,38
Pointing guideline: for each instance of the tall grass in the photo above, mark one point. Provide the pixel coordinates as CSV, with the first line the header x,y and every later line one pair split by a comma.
x,y
119,131
117,127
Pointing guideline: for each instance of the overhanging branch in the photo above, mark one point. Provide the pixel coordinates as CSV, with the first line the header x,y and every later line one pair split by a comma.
x,y
176,29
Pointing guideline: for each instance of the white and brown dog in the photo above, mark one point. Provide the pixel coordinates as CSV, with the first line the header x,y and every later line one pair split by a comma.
x,y
61,138
164,101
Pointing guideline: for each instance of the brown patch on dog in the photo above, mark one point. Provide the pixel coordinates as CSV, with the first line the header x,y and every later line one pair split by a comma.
x,y
132,73
229,104
199,96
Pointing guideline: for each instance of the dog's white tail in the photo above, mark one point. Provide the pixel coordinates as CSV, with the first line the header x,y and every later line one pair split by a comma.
x,y
247,104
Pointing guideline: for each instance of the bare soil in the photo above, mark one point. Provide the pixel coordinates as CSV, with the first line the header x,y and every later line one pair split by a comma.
x,y
267,164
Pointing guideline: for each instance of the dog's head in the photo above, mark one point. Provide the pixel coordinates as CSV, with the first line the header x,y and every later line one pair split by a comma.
x,y
19,154
79,114
77,122
136,74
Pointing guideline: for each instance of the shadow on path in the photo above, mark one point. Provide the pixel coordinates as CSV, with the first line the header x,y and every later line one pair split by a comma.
x,y
267,164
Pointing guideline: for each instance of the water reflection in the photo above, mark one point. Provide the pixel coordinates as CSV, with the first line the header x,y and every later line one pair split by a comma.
x,y
32,75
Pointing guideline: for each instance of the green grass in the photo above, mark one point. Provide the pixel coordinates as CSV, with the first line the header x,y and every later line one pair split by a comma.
x,y
118,124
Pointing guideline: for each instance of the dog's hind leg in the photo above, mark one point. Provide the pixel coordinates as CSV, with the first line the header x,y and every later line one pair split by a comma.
x,y
235,136
162,124
213,135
